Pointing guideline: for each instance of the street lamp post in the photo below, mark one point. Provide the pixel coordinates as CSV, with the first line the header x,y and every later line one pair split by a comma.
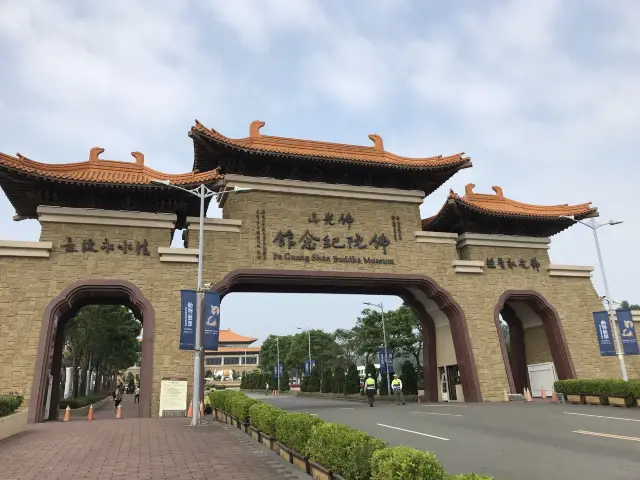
x,y
309,335
384,336
202,192
594,226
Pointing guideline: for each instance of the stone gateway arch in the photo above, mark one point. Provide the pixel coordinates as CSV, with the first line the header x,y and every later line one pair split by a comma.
x,y
320,217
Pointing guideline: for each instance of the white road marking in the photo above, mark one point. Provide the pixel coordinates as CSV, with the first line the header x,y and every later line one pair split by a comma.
x,y
601,416
443,405
313,414
411,431
608,435
441,414
346,408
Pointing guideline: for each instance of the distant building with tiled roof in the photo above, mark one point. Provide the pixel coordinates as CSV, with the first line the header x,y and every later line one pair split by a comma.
x,y
234,353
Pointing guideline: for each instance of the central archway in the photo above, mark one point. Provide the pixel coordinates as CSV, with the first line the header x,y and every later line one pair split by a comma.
x,y
413,289
62,309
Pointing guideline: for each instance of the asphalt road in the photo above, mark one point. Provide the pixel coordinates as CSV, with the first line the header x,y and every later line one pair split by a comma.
x,y
510,441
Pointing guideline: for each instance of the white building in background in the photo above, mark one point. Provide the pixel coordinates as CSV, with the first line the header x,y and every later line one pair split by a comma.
x,y
234,353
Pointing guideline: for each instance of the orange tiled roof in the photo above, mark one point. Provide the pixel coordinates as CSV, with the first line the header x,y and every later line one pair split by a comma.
x,y
228,336
375,154
96,170
498,203
225,350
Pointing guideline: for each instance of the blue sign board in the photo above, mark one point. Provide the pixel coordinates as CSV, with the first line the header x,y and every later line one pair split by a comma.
x,y
210,318
307,369
386,361
277,370
604,333
188,319
627,332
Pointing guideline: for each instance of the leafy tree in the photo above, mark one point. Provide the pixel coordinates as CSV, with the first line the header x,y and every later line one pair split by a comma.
x,y
269,351
370,369
409,378
304,386
314,379
324,349
338,381
384,385
243,382
352,382
347,343
209,374
327,381
235,374
625,305
507,336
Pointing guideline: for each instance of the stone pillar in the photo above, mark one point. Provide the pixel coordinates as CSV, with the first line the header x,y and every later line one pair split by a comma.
x,y
67,382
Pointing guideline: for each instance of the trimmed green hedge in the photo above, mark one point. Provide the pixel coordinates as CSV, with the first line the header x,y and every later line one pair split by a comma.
x,y
344,451
265,417
81,402
353,454
602,387
294,430
9,404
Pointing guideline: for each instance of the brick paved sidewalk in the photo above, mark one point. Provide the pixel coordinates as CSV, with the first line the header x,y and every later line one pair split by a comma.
x,y
145,449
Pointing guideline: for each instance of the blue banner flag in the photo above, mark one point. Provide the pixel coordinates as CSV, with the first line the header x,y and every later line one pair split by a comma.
x,y
307,368
386,361
604,333
187,319
627,332
211,320
277,370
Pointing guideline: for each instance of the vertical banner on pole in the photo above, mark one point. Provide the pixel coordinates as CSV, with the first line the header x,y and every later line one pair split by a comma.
x,y
277,370
307,367
604,333
386,362
187,319
627,332
211,319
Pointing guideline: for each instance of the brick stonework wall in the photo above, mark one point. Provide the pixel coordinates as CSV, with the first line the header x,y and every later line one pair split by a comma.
x,y
536,346
28,284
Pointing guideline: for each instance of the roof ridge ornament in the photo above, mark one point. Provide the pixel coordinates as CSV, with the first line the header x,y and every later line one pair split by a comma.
x,y
498,191
468,189
139,158
378,144
94,153
254,129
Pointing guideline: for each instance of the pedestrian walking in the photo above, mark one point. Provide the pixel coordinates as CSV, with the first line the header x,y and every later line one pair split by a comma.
x,y
396,386
136,393
370,389
117,398
266,389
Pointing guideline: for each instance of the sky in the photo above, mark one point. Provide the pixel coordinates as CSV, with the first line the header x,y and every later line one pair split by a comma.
x,y
543,96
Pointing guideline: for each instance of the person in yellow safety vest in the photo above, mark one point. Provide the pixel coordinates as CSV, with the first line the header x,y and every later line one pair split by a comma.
x,y
396,386
370,389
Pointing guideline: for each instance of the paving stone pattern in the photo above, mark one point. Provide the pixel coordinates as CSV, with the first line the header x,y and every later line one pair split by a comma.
x,y
144,449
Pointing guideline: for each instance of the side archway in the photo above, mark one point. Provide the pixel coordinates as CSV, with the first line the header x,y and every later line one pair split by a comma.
x,y
416,290
516,367
63,308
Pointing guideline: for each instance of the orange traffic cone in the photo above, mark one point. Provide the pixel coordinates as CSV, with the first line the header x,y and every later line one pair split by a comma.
x,y
190,411
90,414
67,414
554,397
544,394
119,412
527,395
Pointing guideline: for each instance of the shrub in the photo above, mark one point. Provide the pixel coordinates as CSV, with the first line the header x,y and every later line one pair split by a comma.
x,y
383,388
81,402
284,381
304,386
406,463
338,381
596,386
409,379
314,380
343,450
352,382
9,404
239,406
294,430
264,417
634,388
327,380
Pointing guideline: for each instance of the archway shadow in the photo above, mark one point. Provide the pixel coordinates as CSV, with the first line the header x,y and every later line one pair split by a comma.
x,y
50,344
413,289
516,369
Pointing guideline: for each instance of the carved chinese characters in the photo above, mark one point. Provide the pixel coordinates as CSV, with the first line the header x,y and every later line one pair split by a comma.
x,y
107,246
510,264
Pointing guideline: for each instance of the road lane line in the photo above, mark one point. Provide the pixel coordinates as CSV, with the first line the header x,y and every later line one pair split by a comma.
x,y
607,435
346,408
601,416
444,405
441,414
411,431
